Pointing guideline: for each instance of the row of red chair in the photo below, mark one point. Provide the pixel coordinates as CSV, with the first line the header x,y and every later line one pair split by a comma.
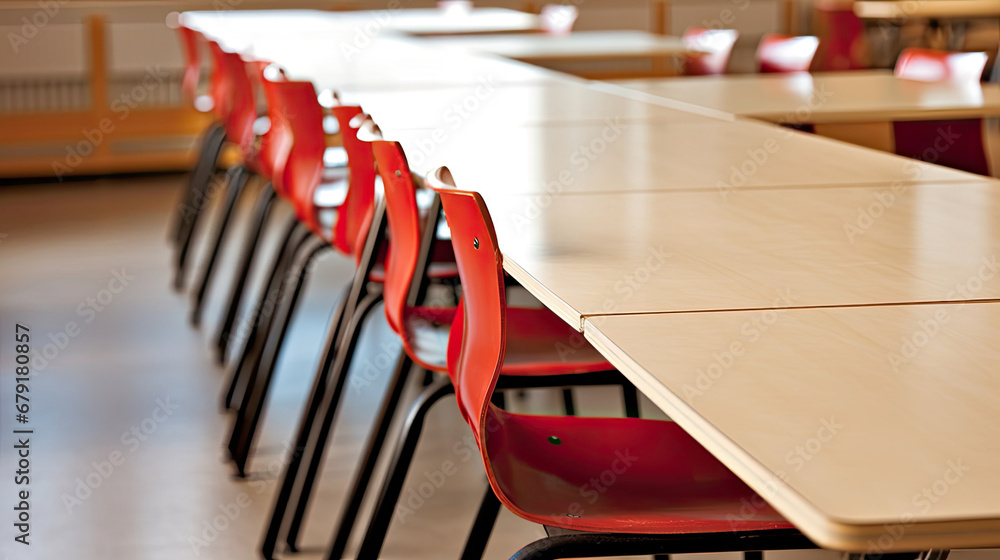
x,y
775,54
678,499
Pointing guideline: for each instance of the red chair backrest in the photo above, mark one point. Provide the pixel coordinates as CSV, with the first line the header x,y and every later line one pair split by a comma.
x,y
277,141
716,43
355,214
404,230
478,335
784,53
232,98
190,44
929,65
841,34
298,140
956,143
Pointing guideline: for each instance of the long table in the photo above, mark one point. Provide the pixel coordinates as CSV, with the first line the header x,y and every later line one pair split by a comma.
x,y
821,317
858,106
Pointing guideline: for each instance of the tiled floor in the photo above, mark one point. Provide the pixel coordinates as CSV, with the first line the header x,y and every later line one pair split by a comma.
x,y
126,455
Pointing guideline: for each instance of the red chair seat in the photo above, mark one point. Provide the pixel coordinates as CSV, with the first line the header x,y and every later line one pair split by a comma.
x,y
619,474
535,336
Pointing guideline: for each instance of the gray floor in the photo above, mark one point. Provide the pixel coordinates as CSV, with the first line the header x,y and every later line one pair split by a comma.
x,y
126,455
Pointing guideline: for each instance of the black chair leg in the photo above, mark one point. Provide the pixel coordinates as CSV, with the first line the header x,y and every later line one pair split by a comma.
x,y
265,315
482,528
568,404
237,179
255,396
631,398
261,211
305,428
209,138
388,496
249,332
600,545
192,211
376,441
316,448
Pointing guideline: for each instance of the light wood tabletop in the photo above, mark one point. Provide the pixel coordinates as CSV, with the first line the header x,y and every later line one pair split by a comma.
x,y
662,234
901,10
871,427
367,22
490,104
579,45
836,97
617,253
616,156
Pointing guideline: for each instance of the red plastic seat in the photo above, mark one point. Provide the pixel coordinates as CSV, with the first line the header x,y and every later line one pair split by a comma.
x,y
956,143
425,330
778,54
542,468
717,44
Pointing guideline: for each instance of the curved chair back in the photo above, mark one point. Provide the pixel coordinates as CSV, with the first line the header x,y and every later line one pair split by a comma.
x,y
190,44
478,336
297,126
717,44
355,214
778,54
841,34
404,230
277,141
929,65
956,143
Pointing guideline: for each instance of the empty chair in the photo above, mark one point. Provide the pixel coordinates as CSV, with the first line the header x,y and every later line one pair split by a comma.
x,y
558,19
669,495
956,143
841,32
714,46
784,53
533,358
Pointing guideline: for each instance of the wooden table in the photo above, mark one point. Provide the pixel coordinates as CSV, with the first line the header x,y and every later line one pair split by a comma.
x,y
831,274
589,54
857,107
869,426
927,9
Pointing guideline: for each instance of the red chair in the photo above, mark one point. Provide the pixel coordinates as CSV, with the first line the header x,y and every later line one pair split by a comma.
x,y
779,54
677,498
327,214
212,139
841,33
192,62
956,143
532,360
717,44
